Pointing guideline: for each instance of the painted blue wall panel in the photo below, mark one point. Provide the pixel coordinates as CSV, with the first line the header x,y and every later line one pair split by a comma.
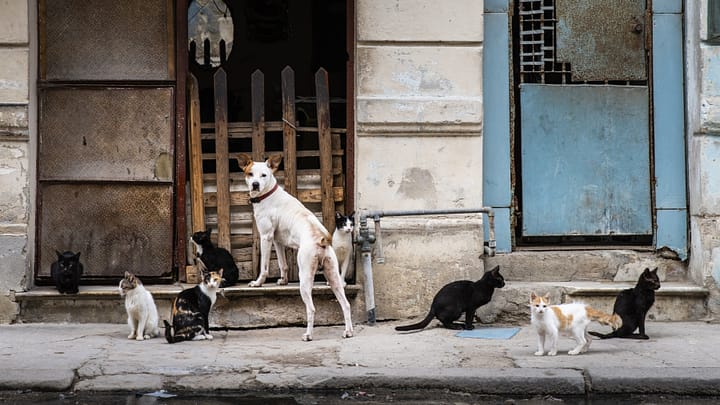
x,y
496,112
496,120
585,160
668,102
496,6
503,238
667,6
671,231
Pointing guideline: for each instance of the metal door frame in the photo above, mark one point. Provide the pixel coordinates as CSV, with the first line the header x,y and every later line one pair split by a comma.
x,y
669,187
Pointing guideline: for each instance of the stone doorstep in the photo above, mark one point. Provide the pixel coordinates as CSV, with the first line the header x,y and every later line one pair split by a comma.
x,y
674,301
610,288
162,291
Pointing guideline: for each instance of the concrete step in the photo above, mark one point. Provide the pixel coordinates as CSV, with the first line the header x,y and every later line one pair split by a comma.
x,y
586,265
674,301
240,307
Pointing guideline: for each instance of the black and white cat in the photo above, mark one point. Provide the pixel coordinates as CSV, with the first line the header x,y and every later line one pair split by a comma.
x,y
632,305
140,307
215,258
66,272
460,297
191,310
342,242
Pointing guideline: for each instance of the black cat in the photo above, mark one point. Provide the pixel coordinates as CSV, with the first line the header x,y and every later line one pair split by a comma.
x,y
66,272
191,310
460,297
633,305
215,258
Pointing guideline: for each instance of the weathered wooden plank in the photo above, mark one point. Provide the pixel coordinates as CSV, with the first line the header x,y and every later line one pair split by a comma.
x,y
338,178
306,196
196,173
289,144
322,94
222,159
257,91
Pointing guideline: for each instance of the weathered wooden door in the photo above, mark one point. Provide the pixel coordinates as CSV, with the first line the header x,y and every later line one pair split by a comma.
x,y
585,136
106,152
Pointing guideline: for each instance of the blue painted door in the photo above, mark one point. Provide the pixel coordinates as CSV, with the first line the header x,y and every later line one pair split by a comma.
x,y
585,139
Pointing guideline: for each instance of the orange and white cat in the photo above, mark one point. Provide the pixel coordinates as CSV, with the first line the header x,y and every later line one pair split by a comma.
x,y
573,319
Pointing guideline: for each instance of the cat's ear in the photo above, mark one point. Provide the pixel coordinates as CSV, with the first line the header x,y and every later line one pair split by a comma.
x,y
273,161
546,297
352,215
654,271
59,255
646,271
338,215
533,296
244,160
496,269
77,256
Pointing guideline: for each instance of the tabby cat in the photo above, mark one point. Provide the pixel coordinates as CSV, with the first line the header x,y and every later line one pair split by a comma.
x,y
460,297
191,310
140,307
632,305
66,272
215,258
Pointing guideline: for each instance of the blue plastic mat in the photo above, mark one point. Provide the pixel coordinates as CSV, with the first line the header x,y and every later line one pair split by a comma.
x,y
489,333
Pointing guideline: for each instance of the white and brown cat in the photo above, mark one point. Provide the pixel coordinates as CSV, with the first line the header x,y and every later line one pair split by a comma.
x,y
573,319
140,307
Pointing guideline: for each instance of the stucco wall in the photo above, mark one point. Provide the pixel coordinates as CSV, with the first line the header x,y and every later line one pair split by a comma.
x,y
703,89
14,148
418,143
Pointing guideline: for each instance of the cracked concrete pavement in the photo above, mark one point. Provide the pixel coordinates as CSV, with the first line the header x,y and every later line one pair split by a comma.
x,y
680,358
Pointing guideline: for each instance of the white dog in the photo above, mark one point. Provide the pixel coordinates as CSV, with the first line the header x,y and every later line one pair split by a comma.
x,y
283,221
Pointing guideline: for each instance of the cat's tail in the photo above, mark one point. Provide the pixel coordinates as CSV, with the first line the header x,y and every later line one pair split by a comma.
x,y
614,320
169,336
418,325
604,335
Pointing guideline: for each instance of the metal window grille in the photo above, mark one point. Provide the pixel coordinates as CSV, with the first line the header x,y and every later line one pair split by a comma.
x,y
713,22
538,63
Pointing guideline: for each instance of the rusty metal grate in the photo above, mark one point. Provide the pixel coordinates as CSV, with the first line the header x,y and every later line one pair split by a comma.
x,y
569,42
538,63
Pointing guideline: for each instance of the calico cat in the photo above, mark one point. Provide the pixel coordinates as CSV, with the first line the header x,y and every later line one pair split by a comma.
x,y
460,297
342,242
66,272
191,310
140,307
215,258
550,320
632,305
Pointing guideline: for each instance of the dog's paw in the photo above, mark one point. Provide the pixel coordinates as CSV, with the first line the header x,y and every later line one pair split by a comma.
x,y
254,284
139,337
306,338
348,334
131,336
282,281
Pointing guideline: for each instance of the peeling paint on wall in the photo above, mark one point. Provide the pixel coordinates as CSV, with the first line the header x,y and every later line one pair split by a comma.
x,y
418,184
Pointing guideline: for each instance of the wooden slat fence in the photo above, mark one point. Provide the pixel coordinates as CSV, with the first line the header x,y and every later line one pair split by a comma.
x,y
219,198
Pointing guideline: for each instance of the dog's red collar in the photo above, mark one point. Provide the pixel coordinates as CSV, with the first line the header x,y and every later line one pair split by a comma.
x,y
256,200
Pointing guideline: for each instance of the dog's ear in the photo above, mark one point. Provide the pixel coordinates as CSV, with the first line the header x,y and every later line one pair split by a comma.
x,y
243,160
273,161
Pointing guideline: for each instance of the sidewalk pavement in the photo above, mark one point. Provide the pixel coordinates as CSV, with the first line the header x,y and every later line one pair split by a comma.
x,y
680,358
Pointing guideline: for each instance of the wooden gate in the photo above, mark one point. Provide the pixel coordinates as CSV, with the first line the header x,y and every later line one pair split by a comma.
x,y
312,168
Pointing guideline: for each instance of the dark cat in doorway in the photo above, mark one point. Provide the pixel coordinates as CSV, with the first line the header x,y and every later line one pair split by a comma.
x,y
215,258
633,305
66,272
460,297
